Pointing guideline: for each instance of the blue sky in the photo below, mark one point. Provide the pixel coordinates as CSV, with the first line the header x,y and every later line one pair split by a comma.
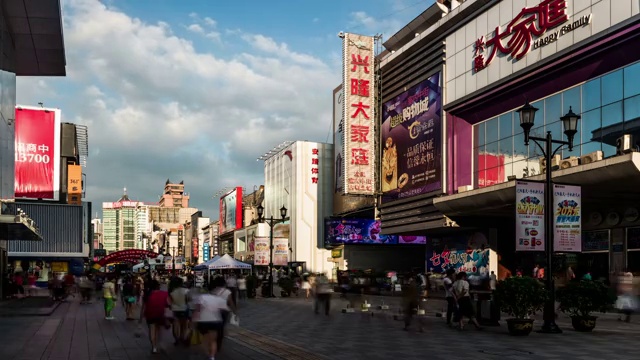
x,y
196,90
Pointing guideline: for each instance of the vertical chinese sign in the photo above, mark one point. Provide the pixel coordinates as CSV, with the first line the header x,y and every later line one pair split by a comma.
x,y
314,165
529,216
567,225
74,185
359,114
37,153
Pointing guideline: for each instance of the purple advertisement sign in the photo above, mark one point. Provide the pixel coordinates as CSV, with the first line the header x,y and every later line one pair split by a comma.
x,y
363,231
412,141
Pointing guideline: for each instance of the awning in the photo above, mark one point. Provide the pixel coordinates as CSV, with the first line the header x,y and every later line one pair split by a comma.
x,y
36,30
617,177
18,227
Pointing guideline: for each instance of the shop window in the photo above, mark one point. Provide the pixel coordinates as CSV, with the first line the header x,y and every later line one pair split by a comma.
x,y
631,83
633,261
632,109
571,99
590,123
506,125
612,114
612,87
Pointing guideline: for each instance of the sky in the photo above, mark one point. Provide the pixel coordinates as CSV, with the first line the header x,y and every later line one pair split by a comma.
x,y
197,90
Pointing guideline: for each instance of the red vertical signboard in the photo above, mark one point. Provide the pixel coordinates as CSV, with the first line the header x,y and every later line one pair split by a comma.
x,y
37,153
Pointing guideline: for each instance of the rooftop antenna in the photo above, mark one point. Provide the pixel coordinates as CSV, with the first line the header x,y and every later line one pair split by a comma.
x,y
41,104
125,191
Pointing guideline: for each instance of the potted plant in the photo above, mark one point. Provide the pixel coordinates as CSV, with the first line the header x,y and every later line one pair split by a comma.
x,y
286,286
521,298
579,299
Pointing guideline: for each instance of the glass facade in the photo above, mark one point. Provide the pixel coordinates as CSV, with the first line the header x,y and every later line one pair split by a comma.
x,y
609,106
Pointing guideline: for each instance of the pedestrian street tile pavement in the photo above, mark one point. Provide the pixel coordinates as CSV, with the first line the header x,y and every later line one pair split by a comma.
x,y
79,332
362,336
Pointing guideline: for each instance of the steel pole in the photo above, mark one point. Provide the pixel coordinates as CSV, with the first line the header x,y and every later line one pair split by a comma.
x,y
271,257
549,312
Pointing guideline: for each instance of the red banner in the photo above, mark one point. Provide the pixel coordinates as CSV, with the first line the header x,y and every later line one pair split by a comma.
x,y
194,247
37,162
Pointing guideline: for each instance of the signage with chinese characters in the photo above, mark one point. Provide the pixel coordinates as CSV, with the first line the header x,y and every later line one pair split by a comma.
x,y
74,184
526,31
194,247
37,153
314,165
529,216
359,114
412,141
567,219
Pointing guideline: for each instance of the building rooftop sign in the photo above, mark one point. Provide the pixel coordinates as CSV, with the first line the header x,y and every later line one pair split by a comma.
x,y
526,31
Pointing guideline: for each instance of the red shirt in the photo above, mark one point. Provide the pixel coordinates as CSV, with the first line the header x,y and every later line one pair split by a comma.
x,y
19,280
69,279
31,280
157,302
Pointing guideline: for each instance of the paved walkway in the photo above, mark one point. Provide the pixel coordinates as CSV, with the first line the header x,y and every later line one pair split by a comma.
x,y
79,332
362,336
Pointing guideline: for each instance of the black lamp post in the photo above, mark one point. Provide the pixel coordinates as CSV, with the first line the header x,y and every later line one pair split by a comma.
x,y
272,222
570,123
173,260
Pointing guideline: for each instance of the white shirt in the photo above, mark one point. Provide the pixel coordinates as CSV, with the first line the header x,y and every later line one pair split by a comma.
x,y
210,307
232,282
179,299
242,284
447,287
462,288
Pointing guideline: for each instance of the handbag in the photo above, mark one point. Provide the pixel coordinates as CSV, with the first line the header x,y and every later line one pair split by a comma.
x,y
196,338
234,320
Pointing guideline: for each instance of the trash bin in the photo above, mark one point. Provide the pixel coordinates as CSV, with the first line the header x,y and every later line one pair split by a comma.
x,y
487,311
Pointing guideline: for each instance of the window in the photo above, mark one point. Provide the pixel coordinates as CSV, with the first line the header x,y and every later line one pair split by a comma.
x,y
631,83
591,95
612,87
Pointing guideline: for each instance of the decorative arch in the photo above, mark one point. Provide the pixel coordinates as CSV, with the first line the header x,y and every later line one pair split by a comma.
x,y
130,256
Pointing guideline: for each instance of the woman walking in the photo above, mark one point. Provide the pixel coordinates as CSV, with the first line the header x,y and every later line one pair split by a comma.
x,y
463,298
129,297
179,300
209,315
153,307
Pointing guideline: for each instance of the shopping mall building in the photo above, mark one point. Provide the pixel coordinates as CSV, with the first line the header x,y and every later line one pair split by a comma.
x,y
470,65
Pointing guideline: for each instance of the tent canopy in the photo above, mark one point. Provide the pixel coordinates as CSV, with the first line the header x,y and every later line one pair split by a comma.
x,y
205,265
227,262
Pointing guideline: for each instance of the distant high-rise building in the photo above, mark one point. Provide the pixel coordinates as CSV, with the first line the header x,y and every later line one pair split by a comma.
x,y
119,223
97,232
174,196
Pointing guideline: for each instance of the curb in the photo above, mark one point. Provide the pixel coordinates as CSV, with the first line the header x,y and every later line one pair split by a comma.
x,y
38,312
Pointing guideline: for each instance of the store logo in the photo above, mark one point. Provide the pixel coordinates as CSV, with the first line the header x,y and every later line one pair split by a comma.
x,y
517,38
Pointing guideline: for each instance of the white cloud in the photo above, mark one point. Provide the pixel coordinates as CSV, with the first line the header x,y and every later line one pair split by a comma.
x,y
157,108
196,28
209,22
372,25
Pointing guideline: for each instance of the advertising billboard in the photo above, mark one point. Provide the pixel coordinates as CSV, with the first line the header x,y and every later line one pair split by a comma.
x,y
529,216
567,219
464,252
359,114
231,211
262,252
363,231
37,153
412,141
205,251
194,247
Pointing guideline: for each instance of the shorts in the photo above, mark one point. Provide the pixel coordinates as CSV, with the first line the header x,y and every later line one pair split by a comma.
x,y
180,314
156,321
209,326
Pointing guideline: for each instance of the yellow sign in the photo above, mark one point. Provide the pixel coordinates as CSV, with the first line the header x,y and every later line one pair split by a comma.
x,y
336,253
59,266
74,184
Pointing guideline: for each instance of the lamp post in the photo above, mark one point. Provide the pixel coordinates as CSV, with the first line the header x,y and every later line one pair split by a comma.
x,y
570,124
271,222
173,259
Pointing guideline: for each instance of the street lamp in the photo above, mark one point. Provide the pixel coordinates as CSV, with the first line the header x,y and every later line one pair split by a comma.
x,y
271,222
570,123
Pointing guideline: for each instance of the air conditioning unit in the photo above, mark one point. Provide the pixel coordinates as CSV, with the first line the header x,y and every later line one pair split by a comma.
x,y
591,158
464,188
625,144
569,162
555,163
